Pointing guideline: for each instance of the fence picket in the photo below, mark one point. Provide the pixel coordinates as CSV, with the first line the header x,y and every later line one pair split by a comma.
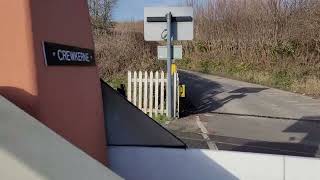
x,y
174,94
140,90
151,94
135,88
129,86
145,93
162,93
156,96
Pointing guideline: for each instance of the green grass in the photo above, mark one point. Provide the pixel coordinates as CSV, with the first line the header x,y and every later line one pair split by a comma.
x,y
162,119
115,82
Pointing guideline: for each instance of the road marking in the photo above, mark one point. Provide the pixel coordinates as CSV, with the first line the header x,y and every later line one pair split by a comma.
x,y
292,101
208,115
204,134
308,104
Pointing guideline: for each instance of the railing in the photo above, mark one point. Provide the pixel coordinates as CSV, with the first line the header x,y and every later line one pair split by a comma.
x,y
147,91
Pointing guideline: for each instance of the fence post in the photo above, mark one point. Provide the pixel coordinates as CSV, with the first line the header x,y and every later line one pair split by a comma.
x,y
174,94
178,96
140,91
129,86
162,93
156,99
151,94
135,88
145,93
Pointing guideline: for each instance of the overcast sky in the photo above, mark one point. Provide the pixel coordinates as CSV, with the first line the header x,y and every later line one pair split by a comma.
x,y
127,10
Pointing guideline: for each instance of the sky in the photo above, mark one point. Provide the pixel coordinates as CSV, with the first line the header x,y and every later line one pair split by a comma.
x,y
127,10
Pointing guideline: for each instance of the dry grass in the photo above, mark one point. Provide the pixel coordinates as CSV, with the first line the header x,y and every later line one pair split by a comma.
x,y
272,42
308,86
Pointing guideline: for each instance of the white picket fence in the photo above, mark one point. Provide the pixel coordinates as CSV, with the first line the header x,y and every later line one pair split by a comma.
x,y
147,92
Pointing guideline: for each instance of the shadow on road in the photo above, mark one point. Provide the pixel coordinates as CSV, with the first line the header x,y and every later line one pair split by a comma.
x,y
278,148
310,128
307,147
248,90
201,94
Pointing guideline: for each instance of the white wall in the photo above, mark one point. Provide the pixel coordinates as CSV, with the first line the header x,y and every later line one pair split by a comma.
x,y
138,163
31,151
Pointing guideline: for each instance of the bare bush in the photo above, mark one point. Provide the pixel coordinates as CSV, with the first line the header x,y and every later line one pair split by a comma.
x,y
124,49
281,37
101,14
259,31
119,46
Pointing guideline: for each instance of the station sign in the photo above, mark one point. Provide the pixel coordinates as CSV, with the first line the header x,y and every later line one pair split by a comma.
x,y
65,55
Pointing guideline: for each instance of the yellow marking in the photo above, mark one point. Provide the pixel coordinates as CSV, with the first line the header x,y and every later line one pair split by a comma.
x,y
173,68
182,90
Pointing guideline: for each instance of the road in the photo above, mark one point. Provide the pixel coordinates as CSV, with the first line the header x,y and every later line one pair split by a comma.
x,y
240,116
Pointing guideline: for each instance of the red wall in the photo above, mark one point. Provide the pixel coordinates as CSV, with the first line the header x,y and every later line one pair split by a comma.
x,y
67,98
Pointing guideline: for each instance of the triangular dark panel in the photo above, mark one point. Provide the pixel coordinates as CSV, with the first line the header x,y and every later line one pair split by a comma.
x,y
126,125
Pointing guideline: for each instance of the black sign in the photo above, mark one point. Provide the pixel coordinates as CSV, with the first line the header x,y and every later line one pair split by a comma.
x,y
63,55
173,19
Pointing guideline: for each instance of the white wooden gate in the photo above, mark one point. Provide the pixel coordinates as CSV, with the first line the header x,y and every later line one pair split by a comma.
x,y
147,92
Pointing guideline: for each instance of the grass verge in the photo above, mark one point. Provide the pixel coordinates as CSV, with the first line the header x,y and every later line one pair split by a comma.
x,y
286,78
161,119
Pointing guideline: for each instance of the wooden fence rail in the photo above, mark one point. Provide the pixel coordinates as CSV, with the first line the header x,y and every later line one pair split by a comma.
x,y
147,91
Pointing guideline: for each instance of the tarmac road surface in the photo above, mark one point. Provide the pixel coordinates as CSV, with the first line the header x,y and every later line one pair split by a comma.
x,y
240,116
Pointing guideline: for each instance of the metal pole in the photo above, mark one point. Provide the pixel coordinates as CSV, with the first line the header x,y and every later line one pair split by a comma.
x,y
169,62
